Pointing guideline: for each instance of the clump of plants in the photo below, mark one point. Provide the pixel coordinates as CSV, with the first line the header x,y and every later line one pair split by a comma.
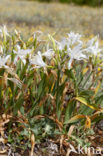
x,y
48,87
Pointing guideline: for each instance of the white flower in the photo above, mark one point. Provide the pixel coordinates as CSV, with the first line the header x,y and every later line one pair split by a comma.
x,y
62,44
3,61
22,54
73,38
93,46
37,35
48,54
37,60
4,31
75,53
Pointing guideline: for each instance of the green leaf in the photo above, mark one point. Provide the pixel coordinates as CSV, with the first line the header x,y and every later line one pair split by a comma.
x,y
69,110
84,101
70,74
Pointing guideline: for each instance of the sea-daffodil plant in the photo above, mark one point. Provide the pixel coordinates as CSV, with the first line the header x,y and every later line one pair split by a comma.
x,y
53,83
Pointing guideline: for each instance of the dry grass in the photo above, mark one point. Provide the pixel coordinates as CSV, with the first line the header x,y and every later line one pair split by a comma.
x,y
51,17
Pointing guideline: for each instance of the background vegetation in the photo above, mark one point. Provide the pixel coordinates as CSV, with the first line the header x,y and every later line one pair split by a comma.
x,y
80,2
28,16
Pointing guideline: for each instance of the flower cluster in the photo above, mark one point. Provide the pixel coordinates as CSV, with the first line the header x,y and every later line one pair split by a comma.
x,y
72,46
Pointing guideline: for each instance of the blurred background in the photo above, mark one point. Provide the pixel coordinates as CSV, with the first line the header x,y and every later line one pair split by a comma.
x,y
53,16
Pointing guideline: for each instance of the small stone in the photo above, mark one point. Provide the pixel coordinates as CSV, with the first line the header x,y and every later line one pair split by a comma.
x,y
100,125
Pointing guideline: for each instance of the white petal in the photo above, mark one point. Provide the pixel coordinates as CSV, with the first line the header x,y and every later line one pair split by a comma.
x,y
24,61
16,59
48,54
37,60
69,63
